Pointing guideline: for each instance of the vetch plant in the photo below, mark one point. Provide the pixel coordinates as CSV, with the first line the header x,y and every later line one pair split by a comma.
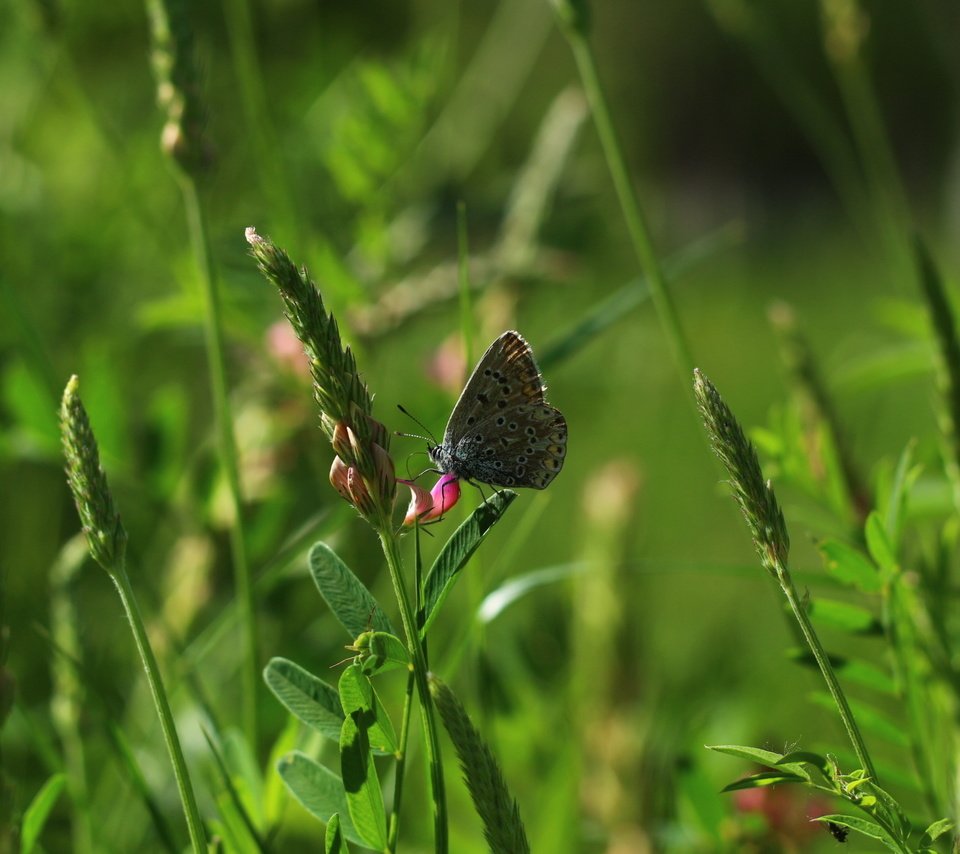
x,y
352,803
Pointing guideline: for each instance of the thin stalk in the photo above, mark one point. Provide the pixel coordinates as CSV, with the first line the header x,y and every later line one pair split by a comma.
x,y
274,182
823,661
184,785
229,458
637,227
401,765
845,29
431,734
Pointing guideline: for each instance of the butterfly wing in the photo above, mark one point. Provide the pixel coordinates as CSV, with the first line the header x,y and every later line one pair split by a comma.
x,y
502,431
506,375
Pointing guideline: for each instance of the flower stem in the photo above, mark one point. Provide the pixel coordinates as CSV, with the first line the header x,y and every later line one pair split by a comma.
x,y
401,765
637,227
213,328
823,661
194,823
431,734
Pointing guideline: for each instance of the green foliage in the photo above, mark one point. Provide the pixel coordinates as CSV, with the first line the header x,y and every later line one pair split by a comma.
x,y
318,789
306,696
405,153
458,550
348,599
38,811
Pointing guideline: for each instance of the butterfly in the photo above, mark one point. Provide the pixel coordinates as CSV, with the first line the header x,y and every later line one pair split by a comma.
x,y
502,431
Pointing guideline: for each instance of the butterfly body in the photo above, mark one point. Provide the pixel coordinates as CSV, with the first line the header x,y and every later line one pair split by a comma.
x,y
502,431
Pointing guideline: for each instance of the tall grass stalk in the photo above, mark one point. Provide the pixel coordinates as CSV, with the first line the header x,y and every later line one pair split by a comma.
x,y
229,456
845,26
107,541
572,16
768,529
773,57
807,378
274,183
178,95
944,327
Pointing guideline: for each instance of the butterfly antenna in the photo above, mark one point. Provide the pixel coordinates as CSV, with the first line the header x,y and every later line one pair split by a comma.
x,y
428,438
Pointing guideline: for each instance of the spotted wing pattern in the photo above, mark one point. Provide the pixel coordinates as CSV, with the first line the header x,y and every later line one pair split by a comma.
x,y
502,431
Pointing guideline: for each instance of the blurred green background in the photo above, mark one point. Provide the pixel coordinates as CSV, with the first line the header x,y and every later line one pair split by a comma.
x,y
348,133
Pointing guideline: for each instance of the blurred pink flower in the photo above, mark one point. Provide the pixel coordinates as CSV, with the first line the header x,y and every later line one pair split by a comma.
x,y
285,347
430,506
446,367
787,809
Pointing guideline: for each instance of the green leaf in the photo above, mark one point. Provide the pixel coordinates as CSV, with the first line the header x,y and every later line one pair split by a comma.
x,y
352,604
806,757
762,757
360,781
764,778
878,544
896,503
850,566
318,790
498,600
38,811
334,842
457,551
357,695
861,825
275,797
304,695
936,830
751,754
843,615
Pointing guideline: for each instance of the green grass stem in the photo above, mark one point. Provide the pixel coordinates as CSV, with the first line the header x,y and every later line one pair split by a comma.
x,y
184,785
391,551
229,457
274,183
773,56
637,228
393,831
768,529
845,29
943,325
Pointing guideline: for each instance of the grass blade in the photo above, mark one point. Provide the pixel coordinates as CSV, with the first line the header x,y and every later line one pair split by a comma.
x,y
38,812
457,551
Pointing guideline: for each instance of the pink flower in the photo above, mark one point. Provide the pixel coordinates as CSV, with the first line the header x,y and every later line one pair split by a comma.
x,y
430,506
285,347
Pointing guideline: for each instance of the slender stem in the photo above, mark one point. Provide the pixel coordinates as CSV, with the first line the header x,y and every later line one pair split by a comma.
x,y
633,215
274,182
184,785
213,328
833,686
415,647
401,765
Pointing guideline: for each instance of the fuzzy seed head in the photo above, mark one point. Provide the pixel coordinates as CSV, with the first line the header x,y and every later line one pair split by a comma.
x,y
754,495
106,536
